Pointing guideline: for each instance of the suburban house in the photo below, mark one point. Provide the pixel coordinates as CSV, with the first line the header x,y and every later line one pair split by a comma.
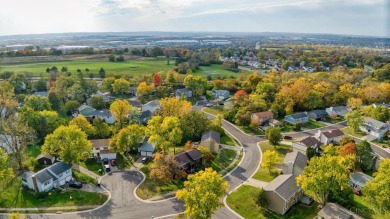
x,y
329,137
220,94
145,116
338,110
294,163
318,114
104,96
147,149
100,149
104,115
358,180
6,143
336,211
282,193
85,110
308,142
133,91
46,159
53,176
263,117
387,105
189,160
184,91
374,127
152,106
211,140
297,117
135,103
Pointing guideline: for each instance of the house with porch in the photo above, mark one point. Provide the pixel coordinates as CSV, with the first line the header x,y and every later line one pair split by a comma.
x,y
189,160
294,163
374,127
307,142
101,149
297,118
53,176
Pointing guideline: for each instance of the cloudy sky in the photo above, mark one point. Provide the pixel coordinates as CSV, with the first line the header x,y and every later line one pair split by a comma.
x,y
357,17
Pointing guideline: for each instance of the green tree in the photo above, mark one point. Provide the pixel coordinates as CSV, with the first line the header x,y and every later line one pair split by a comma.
x,y
6,172
197,83
111,58
127,139
364,155
97,102
69,143
37,103
377,190
202,193
193,125
354,120
102,73
273,135
53,120
71,106
164,132
102,129
269,160
82,123
107,84
120,109
380,113
120,86
324,175
55,101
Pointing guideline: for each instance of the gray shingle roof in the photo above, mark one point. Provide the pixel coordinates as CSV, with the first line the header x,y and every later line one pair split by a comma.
x,y
298,115
319,112
335,211
59,167
299,159
211,135
43,176
374,123
47,156
103,112
333,133
135,103
146,146
194,154
284,185
310,141
146,114
183,158
360,179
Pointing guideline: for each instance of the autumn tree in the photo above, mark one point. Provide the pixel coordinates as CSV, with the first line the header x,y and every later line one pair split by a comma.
x,y
120,109
324,175
354,103
207,156
377,190
120,86
6,172
171,106
354,120
69,143
164,132
381,113
346,139
156,79
197,83
165,168
37,103
128,138
364,155
202,193
193,125
52,120
269,160
347,149
81,122
273,135
144,89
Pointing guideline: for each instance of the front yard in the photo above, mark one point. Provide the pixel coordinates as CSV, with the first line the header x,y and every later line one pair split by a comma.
x,y
16,197
225,139
311,124
93,165
384,143
215,110
263,174
223,159
244,202
350,131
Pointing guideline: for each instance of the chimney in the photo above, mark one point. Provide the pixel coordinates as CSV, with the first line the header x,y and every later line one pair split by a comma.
x,y
290,167
34,180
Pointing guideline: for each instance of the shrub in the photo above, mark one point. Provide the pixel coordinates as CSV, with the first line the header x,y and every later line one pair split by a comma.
x,y
297,126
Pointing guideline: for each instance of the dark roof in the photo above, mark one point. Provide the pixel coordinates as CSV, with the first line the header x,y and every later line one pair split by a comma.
x,y
146,114
183,158
310,141
211,135
59,168
194,154
135,103
340,108
298,115
283,185
43,176
335,211
333,133
360,178
319,112
297,158
47,156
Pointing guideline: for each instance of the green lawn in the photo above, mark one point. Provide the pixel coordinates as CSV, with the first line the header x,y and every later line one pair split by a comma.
x,y
244,202
215,71
225,139
92,165
335,120
251,131
215,110
385,143
81,177
15,197
223,159
33,151
263,174
367,210
350,131
124,163
313,124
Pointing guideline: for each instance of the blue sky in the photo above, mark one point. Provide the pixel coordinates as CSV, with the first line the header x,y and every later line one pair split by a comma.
x,y
357,17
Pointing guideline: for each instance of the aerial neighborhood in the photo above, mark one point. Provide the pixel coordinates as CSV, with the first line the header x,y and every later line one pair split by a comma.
x,y
301,132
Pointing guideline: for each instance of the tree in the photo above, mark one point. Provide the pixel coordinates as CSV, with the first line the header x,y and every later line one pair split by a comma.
x,y
377,190
81,122
37,103
102,129
120,86
323,175
157,80
6,172
193,125
55,101
240,94
273,135
171,106
202,193
107,84
197,83
347,149
354,120
111,58
97,102
380,113
164,132
269,160
297,126
127,139
144,89
345,140
364,155
16,215
69,143
120,109
71,106
165,168
354,103
52,119
102,73
207,156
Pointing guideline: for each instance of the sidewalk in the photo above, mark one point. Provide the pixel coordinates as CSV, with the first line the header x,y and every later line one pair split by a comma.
x,y
237,148
86,171
255,183
52,209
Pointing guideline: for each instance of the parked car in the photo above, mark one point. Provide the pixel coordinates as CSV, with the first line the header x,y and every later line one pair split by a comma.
x,y
107,168
105,161
209,104
74,184
145,160
287,137
113,163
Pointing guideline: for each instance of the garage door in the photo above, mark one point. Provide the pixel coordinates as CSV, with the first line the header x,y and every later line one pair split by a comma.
x,y
109,156
146,153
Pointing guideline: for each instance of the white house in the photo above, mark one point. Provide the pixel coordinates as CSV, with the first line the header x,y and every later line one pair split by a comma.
x,y
304,143
51,177
329,137
374,127
100,149
104,115
294,163
220,94
338,110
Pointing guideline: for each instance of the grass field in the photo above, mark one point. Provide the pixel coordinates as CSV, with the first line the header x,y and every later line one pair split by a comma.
x,y
244,202
215,71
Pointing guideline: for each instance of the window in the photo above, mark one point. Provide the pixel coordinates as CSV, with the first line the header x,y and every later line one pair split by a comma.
x,y
46,183
24,180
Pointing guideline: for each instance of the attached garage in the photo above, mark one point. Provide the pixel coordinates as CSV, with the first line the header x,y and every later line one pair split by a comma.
x,y
107,154
147,149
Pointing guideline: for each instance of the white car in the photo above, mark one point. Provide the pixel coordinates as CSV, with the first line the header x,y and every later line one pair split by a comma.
x,y
107,168
209,104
